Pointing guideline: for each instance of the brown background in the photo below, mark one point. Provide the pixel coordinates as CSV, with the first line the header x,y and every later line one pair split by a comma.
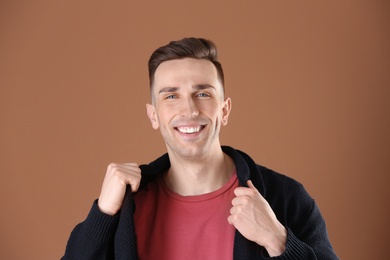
x,y
308,79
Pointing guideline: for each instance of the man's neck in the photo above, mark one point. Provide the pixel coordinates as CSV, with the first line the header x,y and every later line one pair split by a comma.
x,y
196,177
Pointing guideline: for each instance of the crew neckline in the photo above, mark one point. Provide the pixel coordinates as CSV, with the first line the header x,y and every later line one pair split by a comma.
x,y
201,197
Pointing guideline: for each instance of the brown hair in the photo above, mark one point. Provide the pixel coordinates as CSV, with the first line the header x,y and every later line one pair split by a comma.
x,y
197,48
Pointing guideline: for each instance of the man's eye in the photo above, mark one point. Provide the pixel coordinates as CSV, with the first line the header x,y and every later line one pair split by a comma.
x,y
203,95
170,97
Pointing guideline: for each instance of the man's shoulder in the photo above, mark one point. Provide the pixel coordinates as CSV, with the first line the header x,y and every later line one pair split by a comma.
x,y
268,175
280,189
271,176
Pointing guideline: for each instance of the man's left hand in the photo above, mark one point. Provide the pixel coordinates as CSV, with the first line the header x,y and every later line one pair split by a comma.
x,y
253,217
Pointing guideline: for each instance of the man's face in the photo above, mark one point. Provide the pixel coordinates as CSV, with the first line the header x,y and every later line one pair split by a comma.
x,y
188,107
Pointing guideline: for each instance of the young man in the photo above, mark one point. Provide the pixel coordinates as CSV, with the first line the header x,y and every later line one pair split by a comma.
x,y
201,200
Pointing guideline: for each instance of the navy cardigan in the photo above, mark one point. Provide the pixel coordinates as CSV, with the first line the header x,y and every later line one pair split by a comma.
x,y
101,236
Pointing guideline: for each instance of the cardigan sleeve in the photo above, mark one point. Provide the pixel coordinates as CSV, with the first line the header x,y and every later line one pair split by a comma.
x,y
307,232
307,236
93,238
317,246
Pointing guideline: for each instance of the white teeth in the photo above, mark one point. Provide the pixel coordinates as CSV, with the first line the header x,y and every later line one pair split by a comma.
x,y
189,130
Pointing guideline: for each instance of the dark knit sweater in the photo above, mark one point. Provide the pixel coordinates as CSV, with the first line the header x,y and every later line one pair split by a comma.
x,y
101,236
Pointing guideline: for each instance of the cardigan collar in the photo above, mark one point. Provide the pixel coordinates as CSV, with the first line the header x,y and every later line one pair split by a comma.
x,y
245,166
125,239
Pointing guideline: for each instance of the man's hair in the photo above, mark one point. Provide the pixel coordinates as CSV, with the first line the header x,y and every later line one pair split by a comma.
x,y
197,48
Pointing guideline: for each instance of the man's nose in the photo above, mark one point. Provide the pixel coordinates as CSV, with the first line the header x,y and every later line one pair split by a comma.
x,y
189,108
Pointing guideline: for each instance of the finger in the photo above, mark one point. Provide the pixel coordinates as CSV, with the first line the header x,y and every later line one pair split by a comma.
x,y
131,177
245,191
123,165
230,220
128,174
236,201
233,219
135,182
236,209
128,167
125,172
131,164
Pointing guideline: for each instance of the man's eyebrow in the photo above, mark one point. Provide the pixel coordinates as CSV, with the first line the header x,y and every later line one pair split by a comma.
x,y
196,87
168,89
203,86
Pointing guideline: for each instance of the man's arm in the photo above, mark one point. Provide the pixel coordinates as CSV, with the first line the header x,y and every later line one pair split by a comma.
x,y
305,237
94,237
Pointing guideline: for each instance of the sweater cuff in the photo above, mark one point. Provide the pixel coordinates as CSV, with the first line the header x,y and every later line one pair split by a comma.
x,y
99,226
295,249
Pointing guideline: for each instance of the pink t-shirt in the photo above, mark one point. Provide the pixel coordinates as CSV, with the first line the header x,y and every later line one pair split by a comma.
x,y
171,226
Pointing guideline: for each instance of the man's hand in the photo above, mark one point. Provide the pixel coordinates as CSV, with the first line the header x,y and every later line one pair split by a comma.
x,y
118,176
253,217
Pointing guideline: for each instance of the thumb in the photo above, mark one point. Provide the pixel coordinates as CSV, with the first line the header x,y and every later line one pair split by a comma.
x,y
250,185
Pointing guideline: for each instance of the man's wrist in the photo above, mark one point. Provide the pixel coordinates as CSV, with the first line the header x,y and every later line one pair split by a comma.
x,y
277,244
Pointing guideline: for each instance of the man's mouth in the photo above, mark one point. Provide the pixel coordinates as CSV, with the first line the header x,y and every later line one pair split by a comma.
x,y
189,130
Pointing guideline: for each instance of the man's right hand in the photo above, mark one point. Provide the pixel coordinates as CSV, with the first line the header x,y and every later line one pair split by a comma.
x,y
118,176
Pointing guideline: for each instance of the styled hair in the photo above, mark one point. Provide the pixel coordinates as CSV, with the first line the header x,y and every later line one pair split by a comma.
x,y
197,48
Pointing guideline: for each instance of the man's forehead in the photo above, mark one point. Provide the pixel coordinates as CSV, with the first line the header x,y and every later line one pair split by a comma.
x,y
186,69
186,64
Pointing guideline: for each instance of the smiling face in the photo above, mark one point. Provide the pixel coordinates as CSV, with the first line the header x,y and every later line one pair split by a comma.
x,y
188,107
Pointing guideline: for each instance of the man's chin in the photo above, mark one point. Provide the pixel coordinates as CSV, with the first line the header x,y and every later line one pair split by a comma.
x,y
193,152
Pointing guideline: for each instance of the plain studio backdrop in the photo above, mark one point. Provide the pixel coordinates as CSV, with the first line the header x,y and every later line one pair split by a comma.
x,y
309,81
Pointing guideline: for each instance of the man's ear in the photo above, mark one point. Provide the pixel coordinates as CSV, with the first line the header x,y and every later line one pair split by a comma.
x,y
151,111
227,107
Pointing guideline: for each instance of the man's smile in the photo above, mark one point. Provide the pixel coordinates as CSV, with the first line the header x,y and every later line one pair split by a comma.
x,y
189,129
